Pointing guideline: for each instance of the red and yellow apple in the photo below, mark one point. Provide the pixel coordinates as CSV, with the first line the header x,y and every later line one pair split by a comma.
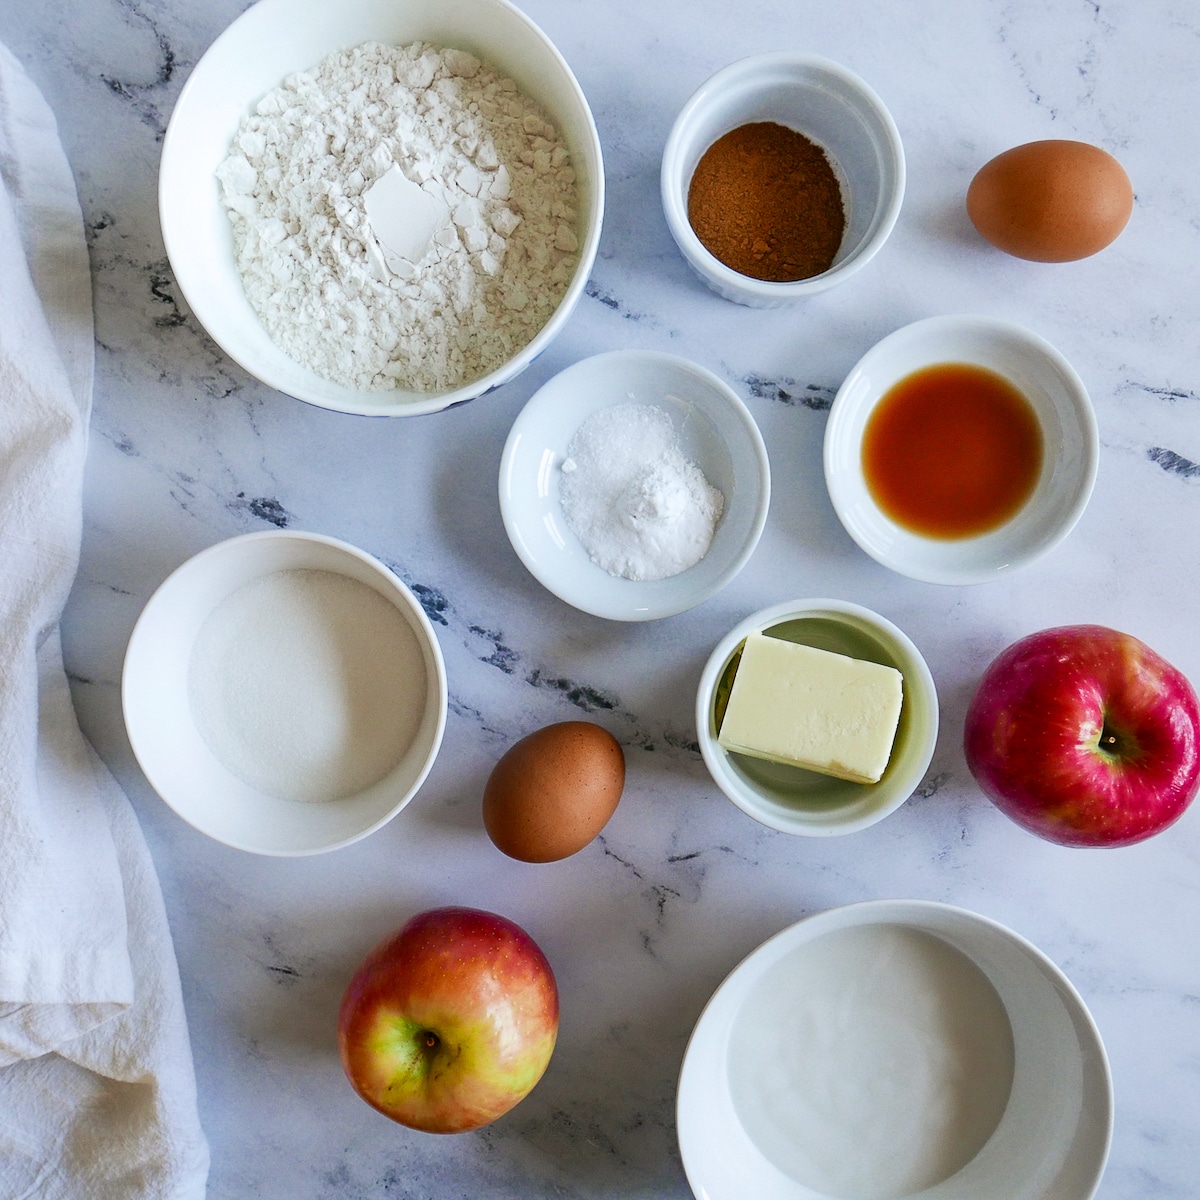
x,y
450,1021
1085,736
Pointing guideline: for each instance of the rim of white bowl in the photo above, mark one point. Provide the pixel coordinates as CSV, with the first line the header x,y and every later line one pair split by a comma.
x,y
198,562
840,415
270,11
917,677
671,181
666,608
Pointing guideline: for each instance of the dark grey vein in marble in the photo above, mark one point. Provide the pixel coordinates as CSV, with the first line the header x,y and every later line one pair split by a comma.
x,y
496,652
791,392
151,98
594,291
1172,463
1171,395
264,508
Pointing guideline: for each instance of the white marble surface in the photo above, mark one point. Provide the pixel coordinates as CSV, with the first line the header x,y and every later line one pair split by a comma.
x,y
642,925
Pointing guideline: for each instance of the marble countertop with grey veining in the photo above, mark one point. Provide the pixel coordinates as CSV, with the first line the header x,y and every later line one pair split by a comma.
x,y
641,926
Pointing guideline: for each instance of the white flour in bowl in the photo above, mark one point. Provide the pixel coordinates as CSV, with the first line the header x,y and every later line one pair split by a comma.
x,y
329,292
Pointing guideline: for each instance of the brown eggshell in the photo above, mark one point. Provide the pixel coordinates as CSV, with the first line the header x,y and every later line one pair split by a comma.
x,y
1051,201
553,791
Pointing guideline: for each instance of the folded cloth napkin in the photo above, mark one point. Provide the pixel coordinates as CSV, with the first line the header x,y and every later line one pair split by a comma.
x,y
97,1091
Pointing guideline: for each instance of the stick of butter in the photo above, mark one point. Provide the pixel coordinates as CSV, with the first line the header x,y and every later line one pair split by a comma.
x,y
809,708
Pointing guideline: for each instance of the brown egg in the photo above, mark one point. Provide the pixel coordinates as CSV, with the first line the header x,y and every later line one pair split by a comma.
x,y
553,791
1051,201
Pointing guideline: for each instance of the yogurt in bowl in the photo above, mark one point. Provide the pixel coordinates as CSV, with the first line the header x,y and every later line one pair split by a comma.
x,y
890,1049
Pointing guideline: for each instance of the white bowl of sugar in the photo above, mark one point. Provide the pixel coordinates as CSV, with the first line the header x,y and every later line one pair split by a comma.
x,y
458,116
284,693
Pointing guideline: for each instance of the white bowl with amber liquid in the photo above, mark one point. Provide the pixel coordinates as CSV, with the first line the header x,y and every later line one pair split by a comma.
x,y
1060,487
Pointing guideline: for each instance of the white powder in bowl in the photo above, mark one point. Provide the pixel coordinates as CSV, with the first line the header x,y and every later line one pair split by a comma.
x,y
640,507
342,298
307,685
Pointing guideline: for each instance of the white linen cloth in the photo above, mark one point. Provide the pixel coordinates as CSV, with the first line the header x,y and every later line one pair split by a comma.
x,y
97,1090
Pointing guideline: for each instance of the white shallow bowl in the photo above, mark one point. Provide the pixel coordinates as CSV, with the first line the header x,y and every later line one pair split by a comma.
x,y
178,761
1071,448
715,430
275,38
794,800
1052,1140
832,107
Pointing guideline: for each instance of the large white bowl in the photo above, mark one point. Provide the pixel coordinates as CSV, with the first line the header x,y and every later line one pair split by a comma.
x,y
831,106
270,41
1071,448
1052,1141
174,755
794,800
715,430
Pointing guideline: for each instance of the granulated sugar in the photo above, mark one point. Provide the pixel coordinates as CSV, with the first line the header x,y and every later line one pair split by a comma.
x,y
328,292
308,685
641,508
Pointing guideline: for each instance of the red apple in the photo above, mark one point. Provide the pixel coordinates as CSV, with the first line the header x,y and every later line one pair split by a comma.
x,y
450,1021
1085,736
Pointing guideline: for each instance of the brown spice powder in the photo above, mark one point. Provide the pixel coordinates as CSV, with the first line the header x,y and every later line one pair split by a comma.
x,y
765,201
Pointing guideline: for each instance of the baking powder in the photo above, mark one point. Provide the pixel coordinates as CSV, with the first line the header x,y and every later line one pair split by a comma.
x,y
641,508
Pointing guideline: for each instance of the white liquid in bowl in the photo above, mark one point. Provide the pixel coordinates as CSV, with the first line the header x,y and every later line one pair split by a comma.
x,y
871,1063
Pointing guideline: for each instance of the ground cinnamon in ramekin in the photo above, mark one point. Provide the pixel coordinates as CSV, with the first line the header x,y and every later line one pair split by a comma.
x,y
765,201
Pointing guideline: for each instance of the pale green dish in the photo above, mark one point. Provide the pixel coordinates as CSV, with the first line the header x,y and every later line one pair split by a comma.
x,y
794,800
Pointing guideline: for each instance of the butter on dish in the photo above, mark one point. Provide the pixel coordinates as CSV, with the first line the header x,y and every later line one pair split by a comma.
x,y
809,708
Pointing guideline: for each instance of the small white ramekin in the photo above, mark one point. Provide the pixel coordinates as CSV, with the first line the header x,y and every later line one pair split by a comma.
x,y
715,430
832,107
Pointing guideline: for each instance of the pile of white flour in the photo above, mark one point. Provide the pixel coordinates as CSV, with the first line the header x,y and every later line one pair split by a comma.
x,y
294,185
641,508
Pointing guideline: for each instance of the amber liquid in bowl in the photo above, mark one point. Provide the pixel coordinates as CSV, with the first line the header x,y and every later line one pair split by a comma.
x,y
952,451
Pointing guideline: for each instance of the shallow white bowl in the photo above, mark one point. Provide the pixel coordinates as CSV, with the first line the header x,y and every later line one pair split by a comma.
x,y
794,800
715,430
1051,1142
175,757
270,41
1071,448
830,106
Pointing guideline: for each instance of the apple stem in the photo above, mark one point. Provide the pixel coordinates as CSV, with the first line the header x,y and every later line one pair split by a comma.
x,y
1118,744
431,1039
